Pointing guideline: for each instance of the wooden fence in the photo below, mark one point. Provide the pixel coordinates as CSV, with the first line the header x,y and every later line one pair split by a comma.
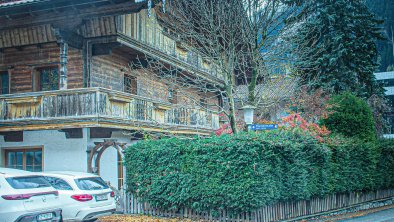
x,y
275,212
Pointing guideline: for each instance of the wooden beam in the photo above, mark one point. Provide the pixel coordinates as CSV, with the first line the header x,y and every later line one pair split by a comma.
x,y
16,136
101,132
104,48
73,133
69,37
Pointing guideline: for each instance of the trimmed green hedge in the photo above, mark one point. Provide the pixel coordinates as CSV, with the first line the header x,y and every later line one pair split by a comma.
x,y
385,175
243,172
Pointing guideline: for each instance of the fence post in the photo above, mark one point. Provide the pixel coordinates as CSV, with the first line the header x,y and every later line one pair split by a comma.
x,y
126,199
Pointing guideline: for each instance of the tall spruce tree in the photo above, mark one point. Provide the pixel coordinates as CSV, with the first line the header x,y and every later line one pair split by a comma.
x,y
339,38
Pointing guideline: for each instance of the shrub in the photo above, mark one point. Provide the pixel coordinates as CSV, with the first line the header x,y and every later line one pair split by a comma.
x,y
243,172
354,165
385,175
351,117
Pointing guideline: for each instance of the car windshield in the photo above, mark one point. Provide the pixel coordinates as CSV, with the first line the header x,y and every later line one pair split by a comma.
x,y
29,182
91,183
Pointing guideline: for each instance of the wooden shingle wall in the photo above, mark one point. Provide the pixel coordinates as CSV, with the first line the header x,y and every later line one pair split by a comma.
x,y
21,63
102,26
26,36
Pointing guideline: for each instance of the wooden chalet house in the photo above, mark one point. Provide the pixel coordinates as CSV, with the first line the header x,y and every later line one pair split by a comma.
x,y
67,93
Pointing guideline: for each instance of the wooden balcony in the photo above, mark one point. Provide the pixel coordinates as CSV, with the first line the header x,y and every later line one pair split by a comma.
x,y
144,34
192,62
98,107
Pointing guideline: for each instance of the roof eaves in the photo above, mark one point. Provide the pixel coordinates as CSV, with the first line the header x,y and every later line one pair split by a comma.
x,y
16,3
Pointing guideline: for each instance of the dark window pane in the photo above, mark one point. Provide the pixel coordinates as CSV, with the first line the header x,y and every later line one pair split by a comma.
x,y
92,183
11,159
30,160
49,79
38,158
27,182
29,157
387,82
4,80
130,84
19,158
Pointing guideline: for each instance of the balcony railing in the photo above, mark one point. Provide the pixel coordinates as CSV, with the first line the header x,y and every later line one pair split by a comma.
x,y
98,106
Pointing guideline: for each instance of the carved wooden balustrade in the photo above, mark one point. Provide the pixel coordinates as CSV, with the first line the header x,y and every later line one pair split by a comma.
x,y
98,107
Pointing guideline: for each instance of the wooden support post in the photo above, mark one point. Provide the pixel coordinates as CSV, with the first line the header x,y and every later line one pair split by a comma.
x,y
63,64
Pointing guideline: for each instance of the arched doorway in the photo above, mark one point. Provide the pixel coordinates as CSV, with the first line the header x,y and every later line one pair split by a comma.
x,y
96,154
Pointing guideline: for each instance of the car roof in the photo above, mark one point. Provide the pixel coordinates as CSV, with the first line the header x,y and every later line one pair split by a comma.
x,y
7,172
69,174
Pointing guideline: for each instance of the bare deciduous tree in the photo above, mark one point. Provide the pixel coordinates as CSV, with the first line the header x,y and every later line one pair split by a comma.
x,y
246,42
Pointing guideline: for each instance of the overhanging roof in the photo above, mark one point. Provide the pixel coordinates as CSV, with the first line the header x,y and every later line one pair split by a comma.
x,y
16,13
15,3
19,7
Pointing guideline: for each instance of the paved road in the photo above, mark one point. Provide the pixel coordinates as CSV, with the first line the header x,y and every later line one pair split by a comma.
x,y
380,216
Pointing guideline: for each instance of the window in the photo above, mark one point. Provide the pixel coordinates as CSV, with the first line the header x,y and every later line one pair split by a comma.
x,y
58,183
91,183
172,95
203,103
24,159
29,182
387,82
4,83
130,84
46,79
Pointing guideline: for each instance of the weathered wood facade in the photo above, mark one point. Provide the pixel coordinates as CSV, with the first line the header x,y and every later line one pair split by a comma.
x,y
87,46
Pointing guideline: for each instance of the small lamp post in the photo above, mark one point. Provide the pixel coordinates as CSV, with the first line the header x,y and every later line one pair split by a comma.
x,y
248,115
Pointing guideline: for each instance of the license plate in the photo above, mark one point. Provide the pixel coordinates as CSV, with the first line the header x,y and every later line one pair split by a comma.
x,y
101,197
46,216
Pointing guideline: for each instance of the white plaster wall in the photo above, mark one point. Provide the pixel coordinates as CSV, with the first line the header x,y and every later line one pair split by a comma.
x,y
62,154
109,167
108,162
59,153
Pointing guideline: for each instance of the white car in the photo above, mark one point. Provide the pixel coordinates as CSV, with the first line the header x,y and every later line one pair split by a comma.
x,y
27,197
83,196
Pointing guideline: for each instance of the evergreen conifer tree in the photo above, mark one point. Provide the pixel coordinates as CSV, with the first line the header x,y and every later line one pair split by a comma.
x,y
340,53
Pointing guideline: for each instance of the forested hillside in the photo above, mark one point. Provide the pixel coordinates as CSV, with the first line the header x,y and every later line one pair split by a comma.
x,y
384,10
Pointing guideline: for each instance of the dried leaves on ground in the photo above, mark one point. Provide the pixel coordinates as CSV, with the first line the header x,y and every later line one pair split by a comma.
x,y
141,218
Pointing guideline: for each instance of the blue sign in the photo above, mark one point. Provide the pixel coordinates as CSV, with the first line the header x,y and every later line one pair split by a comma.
x,y
263,126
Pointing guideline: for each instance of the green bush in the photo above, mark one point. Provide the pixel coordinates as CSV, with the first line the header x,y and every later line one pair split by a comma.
x,y
354,165
385,175
246,171
351,117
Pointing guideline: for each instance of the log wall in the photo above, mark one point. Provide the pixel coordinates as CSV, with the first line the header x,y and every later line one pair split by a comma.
x,y
22,62
107,71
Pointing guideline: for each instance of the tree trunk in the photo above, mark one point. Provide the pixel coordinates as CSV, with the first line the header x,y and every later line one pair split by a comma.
x,y
232,117
252,87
